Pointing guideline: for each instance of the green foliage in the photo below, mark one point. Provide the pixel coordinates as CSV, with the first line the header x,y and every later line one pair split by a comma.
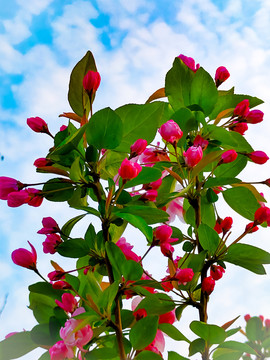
x,y
143,332
17,345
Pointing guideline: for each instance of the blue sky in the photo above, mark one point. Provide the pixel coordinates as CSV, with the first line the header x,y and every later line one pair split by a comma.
x,y
134,43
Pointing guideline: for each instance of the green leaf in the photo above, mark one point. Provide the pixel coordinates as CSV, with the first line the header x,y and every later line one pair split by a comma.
x,y
156,304
235,345
231,138
76,92
73,281
90,237
116,257
208,212
178,84
103,353
254,329
42,306
149,214
58,190
147,175
45,356
143,332
186,121
104,129
228,100
227,354
172,332
212,334
16,345
231,169
139,223
41,335
45,288
172,355
73,248
208,238
148,355
132,270
248,257
69,143
108,296
110,164
203,91
68,226
197,345
139,122
241,200
220,181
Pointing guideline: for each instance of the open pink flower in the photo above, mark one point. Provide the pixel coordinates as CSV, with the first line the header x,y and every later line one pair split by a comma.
x,y
7,186
51,243
50,226
25,258
68,304
151,156
158,344
175,208
127,250
77,338
60,351
184,276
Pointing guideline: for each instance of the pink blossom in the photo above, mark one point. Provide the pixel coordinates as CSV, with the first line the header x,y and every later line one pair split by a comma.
x,y
228,156
91,81
254,117
127,250
7,186
208,285
184,276
200,141
25,258
138,147
190,62
68,304
240,127
168,317
129,170
258,157
63,285
153,185
151,156
175,208
217,271
41,162
50,226
149,195
163,233
170,132
51,243
63,127
35,197
262,215
242,109
251,227
167,249
18,198
37,124
77,338
60,351
167,283
247,317
193,155
56,275
221,75
158,343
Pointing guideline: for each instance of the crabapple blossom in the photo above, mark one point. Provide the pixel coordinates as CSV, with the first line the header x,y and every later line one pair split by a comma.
x,y
170,132
25,258
258,157
50,226
193,155
184,276
138,147
77,338
221,75
240,127
129,170
254,117
60,351
126,249
51,243
217,271
91,81
8,185
68,303
208,285
262,215
200,141
228,156
242,109
189,62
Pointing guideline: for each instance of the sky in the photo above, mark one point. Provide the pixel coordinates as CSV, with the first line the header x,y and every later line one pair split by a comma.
x,y
134,44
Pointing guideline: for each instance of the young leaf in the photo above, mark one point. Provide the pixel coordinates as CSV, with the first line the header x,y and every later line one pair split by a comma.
x,y
68,226
143,332
105,129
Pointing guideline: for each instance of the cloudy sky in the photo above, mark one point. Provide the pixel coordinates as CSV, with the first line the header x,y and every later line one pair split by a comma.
x,y
134,43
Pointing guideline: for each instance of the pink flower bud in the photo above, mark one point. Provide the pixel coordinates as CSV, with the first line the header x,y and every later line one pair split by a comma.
x,y
226,224
267,323
167,283
167,249
258,157
153,185
150,195
200,141
228,156
217,272
138,147
41,162
35,197
221,75
170,132
127,250
7,186
50,226
193,155
247,317
261,317
240,127
189,62
129,170
63,285
262,215
60,351
56,275
25,258
91,81
254,117
184,276
68,304
242,109
208,285
51,243
218,227
37,124
18,198
163,233
63,127
251,227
